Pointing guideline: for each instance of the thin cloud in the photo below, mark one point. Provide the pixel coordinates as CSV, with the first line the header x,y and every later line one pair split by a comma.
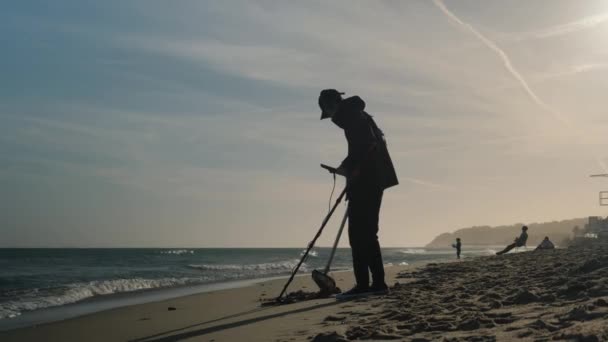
x,y
563,29
573,70
424,183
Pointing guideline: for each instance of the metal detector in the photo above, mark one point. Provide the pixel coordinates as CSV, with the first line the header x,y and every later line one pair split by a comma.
x,y
322,276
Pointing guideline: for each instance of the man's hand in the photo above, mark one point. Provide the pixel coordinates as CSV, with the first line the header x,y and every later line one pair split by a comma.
x,y
341,171
329,168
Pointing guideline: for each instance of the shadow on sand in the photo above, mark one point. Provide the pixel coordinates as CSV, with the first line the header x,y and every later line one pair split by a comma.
x,y
176,335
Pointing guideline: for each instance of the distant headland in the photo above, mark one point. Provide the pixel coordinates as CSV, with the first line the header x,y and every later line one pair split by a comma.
x,y
558,231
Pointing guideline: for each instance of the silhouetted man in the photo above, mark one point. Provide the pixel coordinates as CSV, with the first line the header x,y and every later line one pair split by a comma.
x,y
519,242
369,170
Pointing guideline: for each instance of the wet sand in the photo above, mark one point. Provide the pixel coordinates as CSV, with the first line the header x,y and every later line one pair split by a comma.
x,y
224,315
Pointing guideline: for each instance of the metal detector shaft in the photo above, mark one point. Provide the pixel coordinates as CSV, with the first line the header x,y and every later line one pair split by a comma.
x,y
333,250
312,243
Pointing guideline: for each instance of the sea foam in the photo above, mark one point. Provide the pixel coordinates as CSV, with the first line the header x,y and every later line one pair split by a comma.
x,y
178,251
44,298
263,268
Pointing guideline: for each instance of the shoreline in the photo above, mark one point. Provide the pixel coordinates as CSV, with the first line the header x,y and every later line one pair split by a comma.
x,y
213,306
42,298
98,304
559,294
101,303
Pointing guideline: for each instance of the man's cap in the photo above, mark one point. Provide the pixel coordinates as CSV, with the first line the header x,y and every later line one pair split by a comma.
x,y
327,96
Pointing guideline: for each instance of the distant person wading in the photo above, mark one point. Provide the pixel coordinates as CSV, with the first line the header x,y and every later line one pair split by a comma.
x,y
369,170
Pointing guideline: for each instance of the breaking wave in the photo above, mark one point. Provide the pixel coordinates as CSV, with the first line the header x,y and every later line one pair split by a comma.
x,y
402,263
413,251
468,251
178,251
44,298
263,269
312,253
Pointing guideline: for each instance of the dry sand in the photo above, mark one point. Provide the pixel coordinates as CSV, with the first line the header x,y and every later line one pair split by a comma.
x,y
531,296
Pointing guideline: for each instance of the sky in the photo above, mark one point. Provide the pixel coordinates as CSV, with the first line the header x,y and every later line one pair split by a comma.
x,y
196,124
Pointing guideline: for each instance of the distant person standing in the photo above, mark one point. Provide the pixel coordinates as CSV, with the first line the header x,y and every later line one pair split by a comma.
x,y
458,246
369,171
545,244
519,242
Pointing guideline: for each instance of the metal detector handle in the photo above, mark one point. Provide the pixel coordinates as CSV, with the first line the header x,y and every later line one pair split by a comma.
x,y
333,250
312,243
330,169
334,171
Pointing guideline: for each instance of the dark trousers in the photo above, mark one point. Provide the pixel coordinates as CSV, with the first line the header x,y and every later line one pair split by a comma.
x,y
363,217
508,248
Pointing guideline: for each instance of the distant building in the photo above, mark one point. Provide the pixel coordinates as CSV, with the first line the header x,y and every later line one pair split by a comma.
x,y
597,227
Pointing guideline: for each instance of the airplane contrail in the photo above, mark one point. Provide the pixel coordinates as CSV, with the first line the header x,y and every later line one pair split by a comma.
x,y
512,70
505,58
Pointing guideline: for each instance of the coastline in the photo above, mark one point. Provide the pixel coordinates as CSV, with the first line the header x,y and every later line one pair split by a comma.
x,y
225,314
83,279
97,304
559,294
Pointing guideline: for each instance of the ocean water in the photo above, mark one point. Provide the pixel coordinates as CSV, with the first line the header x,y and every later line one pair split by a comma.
x,y
38,279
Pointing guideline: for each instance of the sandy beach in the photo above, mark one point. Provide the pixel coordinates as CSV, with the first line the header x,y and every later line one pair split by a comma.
x,y
224,315
532,296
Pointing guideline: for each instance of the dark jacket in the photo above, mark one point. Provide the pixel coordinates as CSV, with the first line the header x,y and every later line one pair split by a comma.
x,y
367,148
522,239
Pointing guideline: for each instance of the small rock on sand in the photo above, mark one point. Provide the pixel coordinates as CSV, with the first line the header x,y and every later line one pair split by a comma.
x,y
329,337
524,297
470,324
332,318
